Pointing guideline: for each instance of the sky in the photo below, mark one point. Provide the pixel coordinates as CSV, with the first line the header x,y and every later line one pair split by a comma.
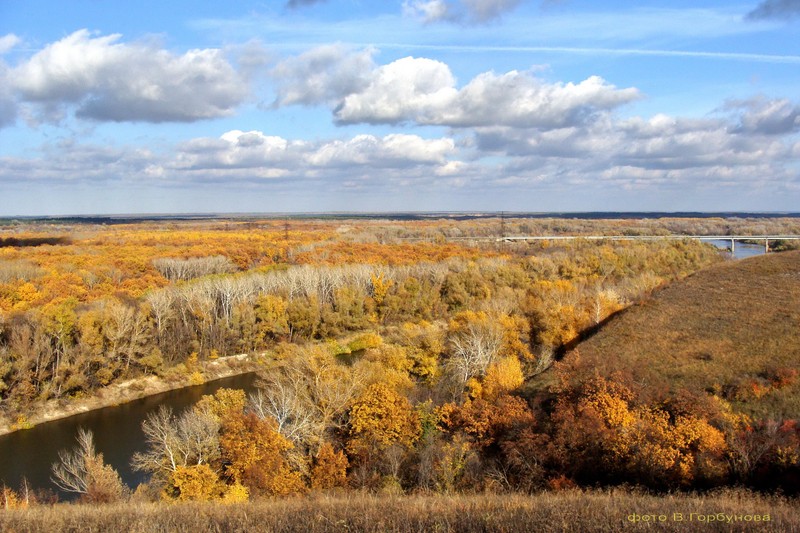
x,y
410,105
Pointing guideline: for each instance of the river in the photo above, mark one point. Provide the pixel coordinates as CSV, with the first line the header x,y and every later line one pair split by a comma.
x,y
741,249
117,432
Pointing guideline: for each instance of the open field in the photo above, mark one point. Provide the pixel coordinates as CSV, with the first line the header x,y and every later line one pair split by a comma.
x,y
569,511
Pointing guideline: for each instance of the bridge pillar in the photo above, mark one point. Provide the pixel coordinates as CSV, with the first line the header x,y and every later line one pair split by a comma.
x,y
766,246
733,247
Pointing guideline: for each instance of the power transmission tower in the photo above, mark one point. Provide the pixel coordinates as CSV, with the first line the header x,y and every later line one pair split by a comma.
x,y
502,230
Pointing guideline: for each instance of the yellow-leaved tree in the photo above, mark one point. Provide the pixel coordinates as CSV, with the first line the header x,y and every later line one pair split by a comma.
x,y
383,427
223,404
256,456
194,483
502,376
382,417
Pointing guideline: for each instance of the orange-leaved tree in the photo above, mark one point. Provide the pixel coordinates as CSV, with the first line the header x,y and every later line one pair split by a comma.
x,y
330,468
256,456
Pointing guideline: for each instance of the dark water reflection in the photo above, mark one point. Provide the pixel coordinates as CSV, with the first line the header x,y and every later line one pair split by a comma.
x,y
117,430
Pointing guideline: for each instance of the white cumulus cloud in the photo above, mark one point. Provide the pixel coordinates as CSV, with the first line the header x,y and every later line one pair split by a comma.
x,y
324,74
424,91
112,81
767,116
426,10
641,152
519,99
409,89
394,150
271,156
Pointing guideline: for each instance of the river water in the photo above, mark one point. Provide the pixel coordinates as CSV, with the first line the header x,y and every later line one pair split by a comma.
x,y
741,250
117,434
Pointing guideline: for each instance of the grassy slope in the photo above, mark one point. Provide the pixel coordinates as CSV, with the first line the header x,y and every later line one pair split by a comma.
x,y
723,327
564,511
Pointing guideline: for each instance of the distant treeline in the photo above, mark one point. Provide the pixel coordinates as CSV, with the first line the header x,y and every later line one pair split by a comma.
x,y
400,216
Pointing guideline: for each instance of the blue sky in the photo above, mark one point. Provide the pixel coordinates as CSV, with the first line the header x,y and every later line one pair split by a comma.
x,y
348,105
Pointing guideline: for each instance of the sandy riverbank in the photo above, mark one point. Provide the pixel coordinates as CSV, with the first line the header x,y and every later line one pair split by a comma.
x,y
133,389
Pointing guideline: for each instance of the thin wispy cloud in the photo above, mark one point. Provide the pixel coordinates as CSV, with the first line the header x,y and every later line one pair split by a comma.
x,y
7,42
731,56
531,27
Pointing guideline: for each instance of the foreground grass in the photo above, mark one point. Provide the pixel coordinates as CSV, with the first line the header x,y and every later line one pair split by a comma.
x,y
564,511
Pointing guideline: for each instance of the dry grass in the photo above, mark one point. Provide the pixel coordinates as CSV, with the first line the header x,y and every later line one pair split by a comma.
x,y
565,511
725,330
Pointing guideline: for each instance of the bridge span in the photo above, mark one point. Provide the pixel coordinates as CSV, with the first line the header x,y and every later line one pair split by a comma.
x,y
731,238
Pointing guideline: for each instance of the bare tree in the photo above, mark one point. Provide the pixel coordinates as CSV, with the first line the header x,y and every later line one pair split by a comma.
x,y
70,474
285,400
190,439
18,270
544,360
161,306
308,395
746,448
82,471
228,293
126,330
474,349
175,269
162,453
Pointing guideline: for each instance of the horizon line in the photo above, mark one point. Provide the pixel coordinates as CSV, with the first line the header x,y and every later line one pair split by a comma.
x,y
469,212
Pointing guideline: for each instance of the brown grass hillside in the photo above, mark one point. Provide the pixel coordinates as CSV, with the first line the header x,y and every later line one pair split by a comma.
x,y
732,330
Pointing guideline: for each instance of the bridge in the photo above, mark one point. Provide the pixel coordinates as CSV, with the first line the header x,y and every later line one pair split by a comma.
x,y
731,238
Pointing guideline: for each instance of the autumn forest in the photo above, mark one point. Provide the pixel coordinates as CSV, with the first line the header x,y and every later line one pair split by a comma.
x,y
395,357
